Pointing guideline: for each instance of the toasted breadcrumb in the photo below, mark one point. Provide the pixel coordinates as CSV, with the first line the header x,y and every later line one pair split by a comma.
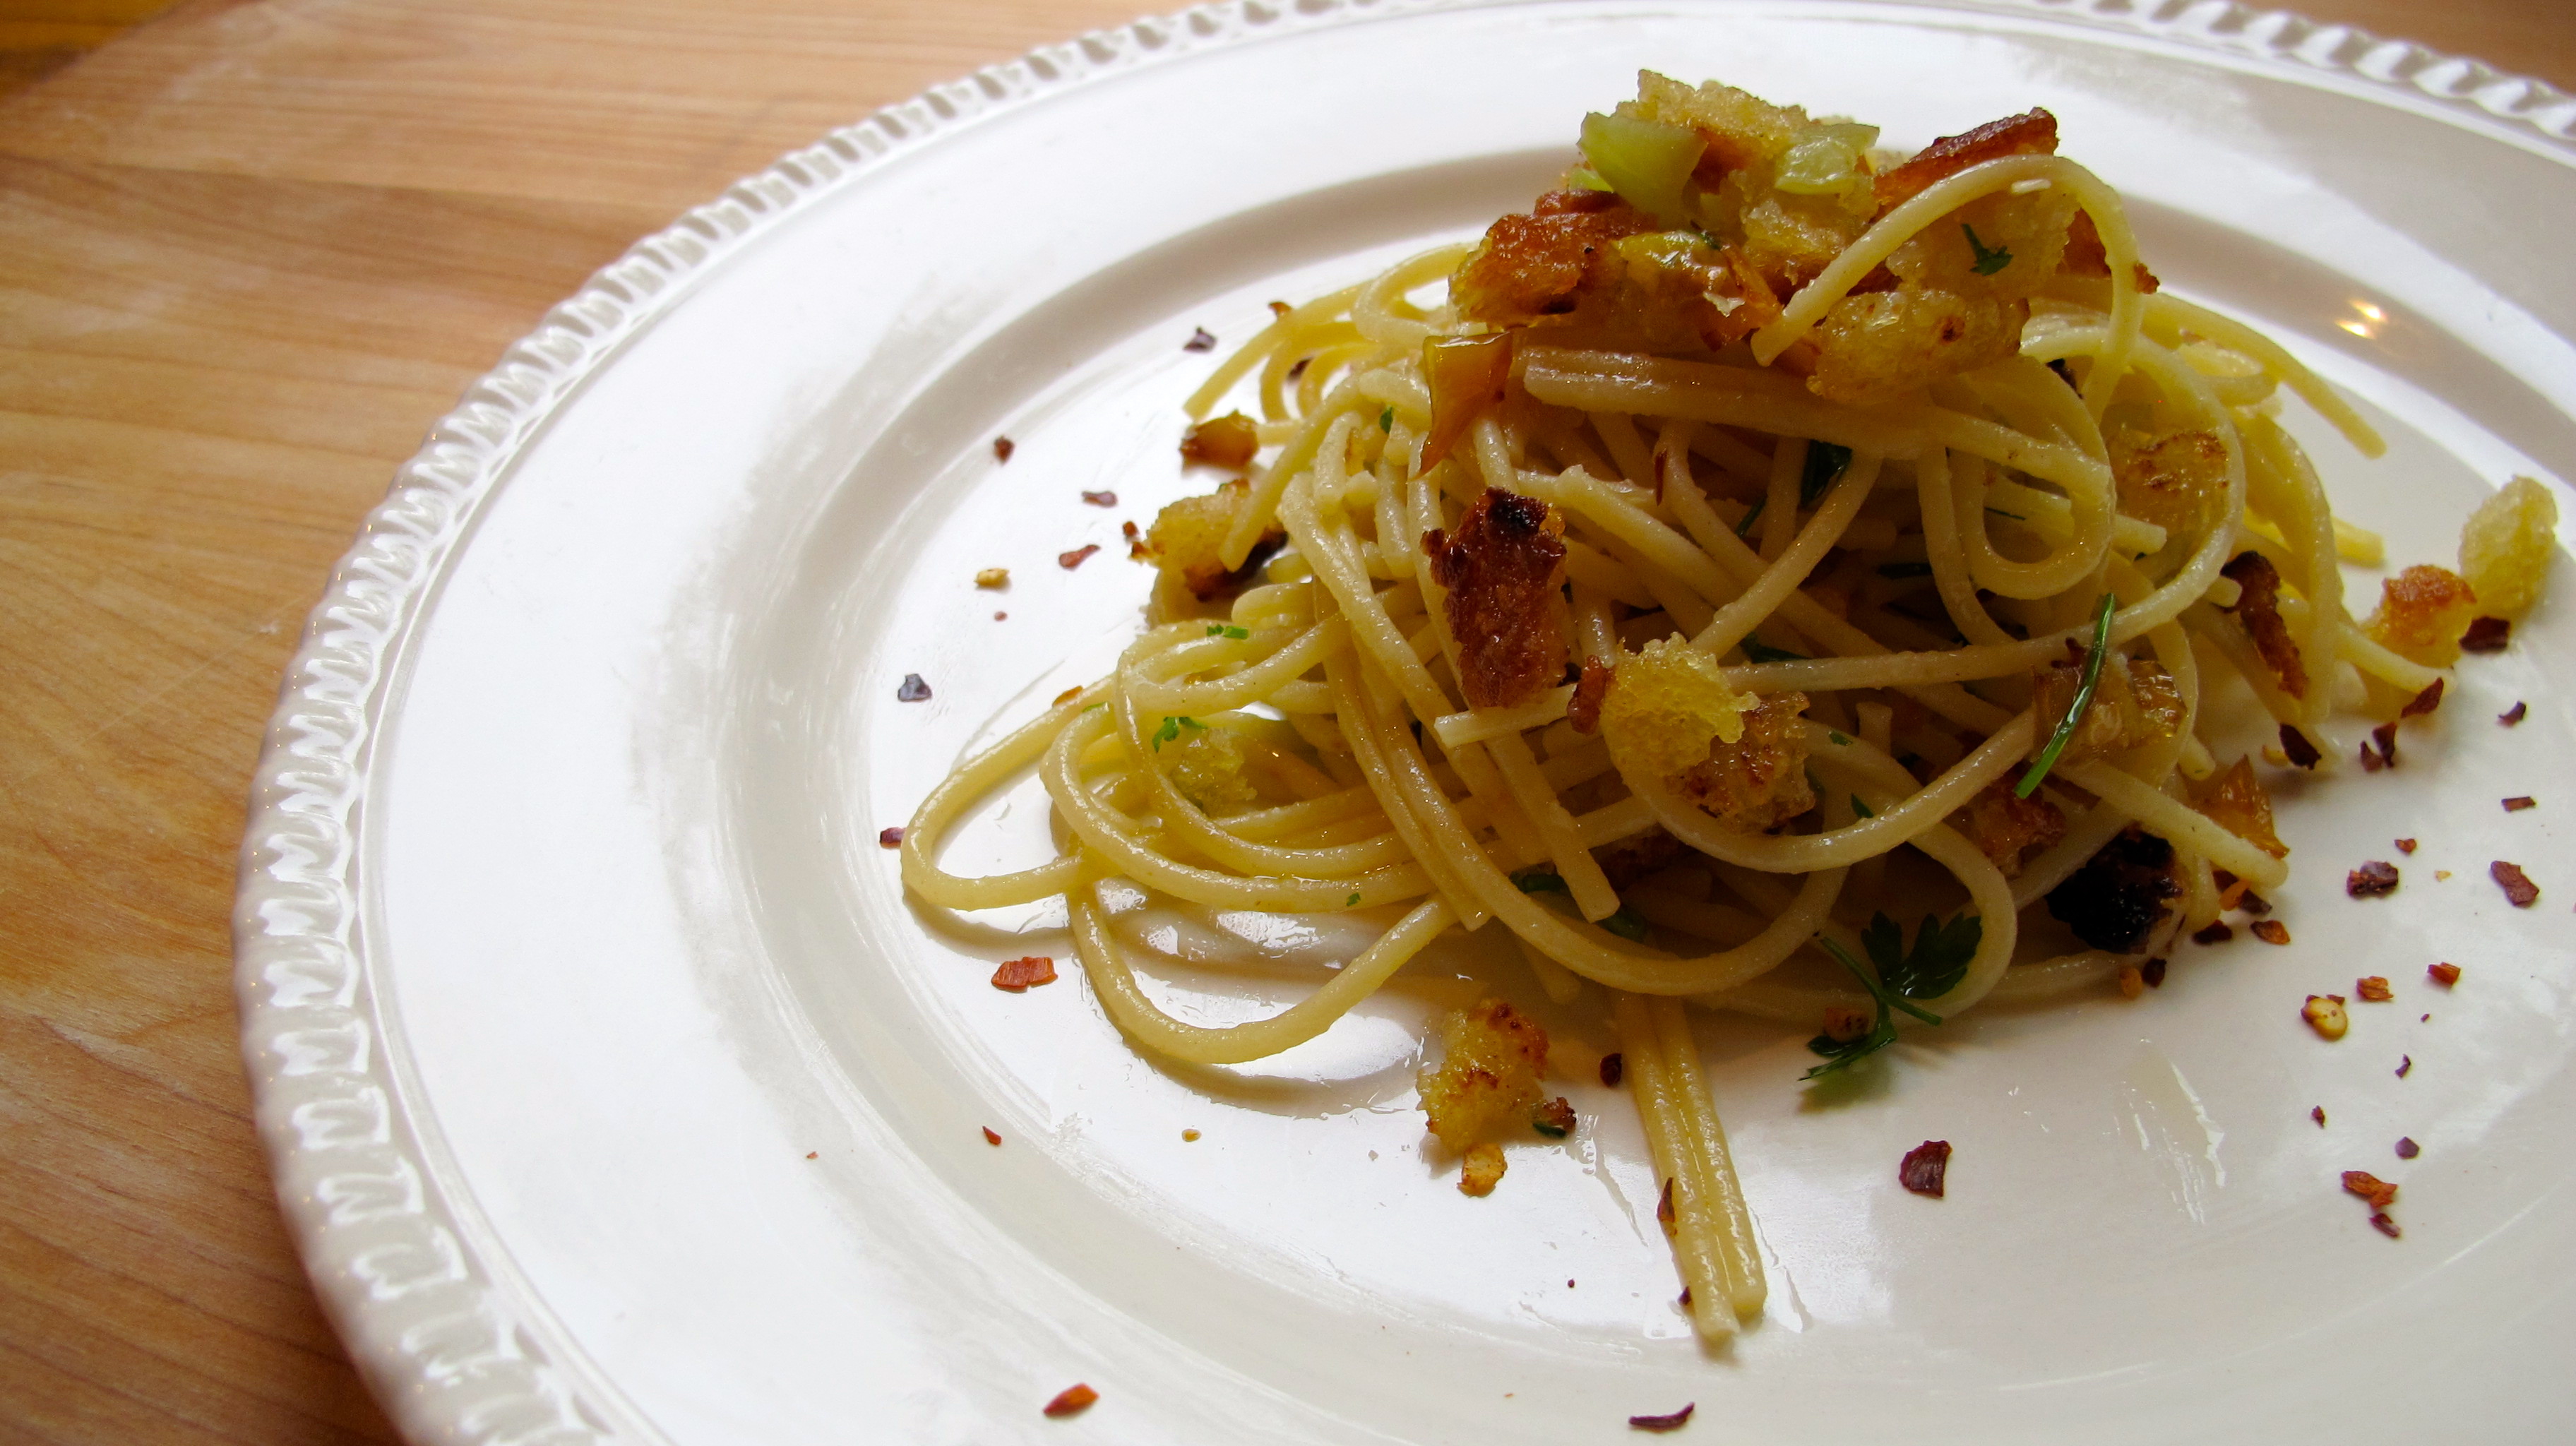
x,y
2422,613
993,577
1487,1078
1483,1170
2324,1014
2373,988
2506,545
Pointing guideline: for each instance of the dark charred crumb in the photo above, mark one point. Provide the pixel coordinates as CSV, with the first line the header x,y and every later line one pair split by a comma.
x,y
2318,1114
2486,635
1017,975
1671,1422
2407,1149
2294,743
2385,1226
2446,975
2373,988
1297,368
1003,447
2513,715
2385,736
2405,1065
1925,1168
2270,931
913,690
1685,1298
1074,1400
890,838
2065,373
1201,339
2518,804
1664,1208
2254,903
1101,499
2216,933
2153,971
1555,1119
1071,560
2406,846
2370,1187
2120,894
2424,702
2372,880
2222,878
1614,1068
992,1136
2518,888
1590,688
2258,611
2371,762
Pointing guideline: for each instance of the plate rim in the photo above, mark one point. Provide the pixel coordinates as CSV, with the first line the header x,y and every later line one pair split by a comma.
x,y
447,1342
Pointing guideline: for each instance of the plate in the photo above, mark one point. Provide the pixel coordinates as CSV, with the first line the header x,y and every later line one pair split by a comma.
x,y
616,1093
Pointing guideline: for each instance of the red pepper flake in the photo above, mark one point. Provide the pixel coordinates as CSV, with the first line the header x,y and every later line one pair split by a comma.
x,y
1925,1168
2486,635
992,1136
1280,308
1673,1422
913,690
1067,696
2407,1149
1684,1302
1128,530
2318,1114
2373,988
1613,1069
2372,880
1201,339
889,838
1071,560
2406,846
1664,1208
2513,715
2217,933
1000,616
2270,931
1297,368
1074,1400
2405,1065
2385,1226
810,1154
2153,971
2520,802
2518,888
2424,702
2445,975
2385,736
1101,499
1003,447
2370,1187
2295,744
2371,762
1016,975
2253,903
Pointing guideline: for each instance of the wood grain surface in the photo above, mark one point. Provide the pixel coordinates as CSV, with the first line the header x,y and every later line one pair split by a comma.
x,y
249,250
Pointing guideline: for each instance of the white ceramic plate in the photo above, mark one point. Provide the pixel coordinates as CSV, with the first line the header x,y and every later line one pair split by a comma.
x,y
616,1092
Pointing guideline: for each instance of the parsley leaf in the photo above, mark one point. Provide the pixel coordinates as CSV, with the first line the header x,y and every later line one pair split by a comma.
x,y
1171,729
1989,259
1627,924
1881,939
2076,710
2015,516
1939,959
1864,810
1539,881
1353,899
1841,739
1765,653
1825,463
1386,420
1222,630
1746,525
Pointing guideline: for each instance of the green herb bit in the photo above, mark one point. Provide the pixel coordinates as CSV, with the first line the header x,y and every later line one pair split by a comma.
x,y
1939,959
1353,899
1989,259
1746,525
1539,881
1825,463
1224,630
1764,653
1549,1128
1171,729
1386,419
1842,1054
1905,569
1841,740
2015,516
1628,924
1864,810
2076,710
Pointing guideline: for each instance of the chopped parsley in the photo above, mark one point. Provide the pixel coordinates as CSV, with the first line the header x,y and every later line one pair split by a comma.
x,y
1746,525
1841,739
2076,710
1225,630
1864,810
1353,899
2015,516
1539,881
1386,419
1627,924
1935,966
1905,569
1761,652
1989,259
1171,729
1825,463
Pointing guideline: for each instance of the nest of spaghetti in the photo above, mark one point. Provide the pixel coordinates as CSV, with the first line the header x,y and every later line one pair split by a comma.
x,y
1770,574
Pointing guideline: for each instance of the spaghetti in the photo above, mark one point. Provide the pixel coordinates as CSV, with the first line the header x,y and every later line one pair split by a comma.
x,y
1688,633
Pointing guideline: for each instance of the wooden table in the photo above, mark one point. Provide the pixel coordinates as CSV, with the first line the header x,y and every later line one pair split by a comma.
x,y
248,253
